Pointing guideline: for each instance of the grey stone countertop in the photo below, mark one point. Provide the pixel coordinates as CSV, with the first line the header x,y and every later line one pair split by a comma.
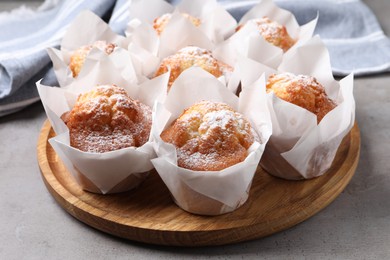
x,y
355,226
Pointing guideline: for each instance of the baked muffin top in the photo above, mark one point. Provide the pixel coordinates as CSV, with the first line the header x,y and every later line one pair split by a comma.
x,y
77,58
272,32
210,136
301,90
106,119
191,56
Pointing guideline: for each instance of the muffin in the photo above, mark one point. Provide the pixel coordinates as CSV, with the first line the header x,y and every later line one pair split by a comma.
x,y
301,90
209,136
160,22
78,57
272,32
107,119
192,56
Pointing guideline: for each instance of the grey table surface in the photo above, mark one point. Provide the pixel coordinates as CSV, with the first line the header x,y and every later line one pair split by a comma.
x,y
355,226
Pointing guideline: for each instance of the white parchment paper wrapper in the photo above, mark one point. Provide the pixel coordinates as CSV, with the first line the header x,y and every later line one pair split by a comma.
x,y
216,23
178,33
211,192
249,43
109,172
86,29
148,50
299,148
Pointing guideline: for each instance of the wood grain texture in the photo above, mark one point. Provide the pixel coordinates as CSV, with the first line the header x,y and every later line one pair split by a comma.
x,y
148,214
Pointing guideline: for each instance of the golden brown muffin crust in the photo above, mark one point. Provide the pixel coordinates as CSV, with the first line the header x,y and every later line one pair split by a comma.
x,y
192,56
272,32
210,136
161,22
106,119
78,57
301,90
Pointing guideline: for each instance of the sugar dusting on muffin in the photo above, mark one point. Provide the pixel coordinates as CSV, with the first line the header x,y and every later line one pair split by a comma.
x,y
192,56
106,119
272,32
301,90
210,136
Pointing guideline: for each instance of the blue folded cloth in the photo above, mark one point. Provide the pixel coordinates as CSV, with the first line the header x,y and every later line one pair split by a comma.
x,y
120,16
23,43
350,30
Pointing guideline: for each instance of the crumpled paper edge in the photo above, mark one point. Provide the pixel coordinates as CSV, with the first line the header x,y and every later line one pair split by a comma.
x,y
85,29
148,51
166,163
300,148
217,24
98,168
247,42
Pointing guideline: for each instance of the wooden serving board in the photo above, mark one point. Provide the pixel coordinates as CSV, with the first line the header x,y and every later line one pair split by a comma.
x,y
148,214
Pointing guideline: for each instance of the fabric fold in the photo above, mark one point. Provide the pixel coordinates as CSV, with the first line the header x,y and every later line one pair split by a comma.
x,y
16,72
23,44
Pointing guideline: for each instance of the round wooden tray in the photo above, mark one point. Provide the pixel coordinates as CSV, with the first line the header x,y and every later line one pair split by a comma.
x,y
148,214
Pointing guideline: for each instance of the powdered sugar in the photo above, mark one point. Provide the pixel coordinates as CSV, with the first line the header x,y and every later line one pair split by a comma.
x,y
273,32
210,136
106,119
268,27
301,90
194,53
192,56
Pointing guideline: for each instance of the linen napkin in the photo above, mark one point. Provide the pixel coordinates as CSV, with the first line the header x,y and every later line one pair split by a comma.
x,y
120,16
24,37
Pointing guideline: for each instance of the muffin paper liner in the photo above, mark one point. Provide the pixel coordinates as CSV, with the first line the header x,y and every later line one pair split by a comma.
x,y
209,192
109,172
148,48
268,8
216,23
299,148
249,43
84,30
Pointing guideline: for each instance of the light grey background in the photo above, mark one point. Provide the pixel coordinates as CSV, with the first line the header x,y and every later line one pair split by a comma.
x,y
355,226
